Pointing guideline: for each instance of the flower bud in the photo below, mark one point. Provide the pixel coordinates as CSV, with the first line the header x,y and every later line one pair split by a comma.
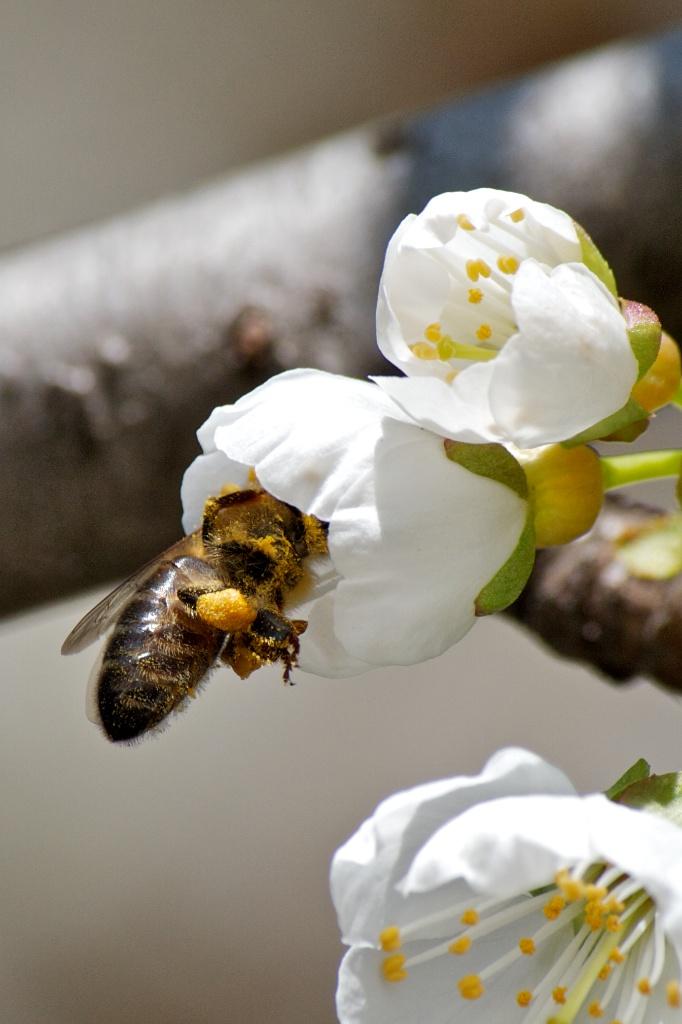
x,y
566,491
661,381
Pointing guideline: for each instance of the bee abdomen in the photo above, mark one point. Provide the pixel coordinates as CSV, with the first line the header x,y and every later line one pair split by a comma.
x,y
157,654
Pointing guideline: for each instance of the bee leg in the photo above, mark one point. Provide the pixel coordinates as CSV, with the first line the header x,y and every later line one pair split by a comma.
x,y
227,609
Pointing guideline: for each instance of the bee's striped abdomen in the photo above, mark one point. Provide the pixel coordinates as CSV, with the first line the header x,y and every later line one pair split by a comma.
x,y
157,653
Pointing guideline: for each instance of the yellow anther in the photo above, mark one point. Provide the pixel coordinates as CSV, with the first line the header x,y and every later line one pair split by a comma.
x,y
605,972
644,987
390,939
432,332
476,269
616,956
470,916
470,987
393,968
559,994
422,350
527,946
614,906
595,1010
672,994
508,264
228,610
460,945
573,890
449,377
464,222
524,997
446,348
553,907
613,923
484,332
475,295
595,892
517,215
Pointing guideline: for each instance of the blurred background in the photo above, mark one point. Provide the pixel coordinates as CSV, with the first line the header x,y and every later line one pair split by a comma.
x,y
185,879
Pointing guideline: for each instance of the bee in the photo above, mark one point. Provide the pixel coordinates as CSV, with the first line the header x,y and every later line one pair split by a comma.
x,y
215,596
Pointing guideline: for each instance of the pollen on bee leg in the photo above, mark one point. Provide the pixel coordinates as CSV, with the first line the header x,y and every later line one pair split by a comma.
x,y
228,610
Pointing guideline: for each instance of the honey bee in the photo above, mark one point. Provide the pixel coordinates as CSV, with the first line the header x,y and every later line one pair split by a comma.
x,y
216,595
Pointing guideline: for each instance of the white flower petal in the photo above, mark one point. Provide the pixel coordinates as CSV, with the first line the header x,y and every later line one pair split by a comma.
x,y
367,868
416,540
569,366
206,476
516,844
459,411
321,651
307,433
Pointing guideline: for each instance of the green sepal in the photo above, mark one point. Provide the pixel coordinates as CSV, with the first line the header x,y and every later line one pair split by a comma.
x,y
509,581
495,462
641,769
491,460
594,260
644,333
657,794
632,412
656,552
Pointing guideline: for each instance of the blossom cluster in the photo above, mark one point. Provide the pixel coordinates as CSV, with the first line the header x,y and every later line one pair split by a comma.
x,y
437,484
506,896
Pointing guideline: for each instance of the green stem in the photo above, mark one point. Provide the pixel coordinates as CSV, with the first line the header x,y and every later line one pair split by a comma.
x,y
621,470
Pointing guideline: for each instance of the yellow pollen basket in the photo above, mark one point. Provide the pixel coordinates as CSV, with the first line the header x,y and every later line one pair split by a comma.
x,y
228,610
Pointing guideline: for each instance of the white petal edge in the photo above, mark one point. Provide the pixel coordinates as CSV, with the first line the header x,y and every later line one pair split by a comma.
x,y
571,363
366,869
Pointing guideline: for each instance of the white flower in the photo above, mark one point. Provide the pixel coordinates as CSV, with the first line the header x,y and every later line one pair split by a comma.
x,y
487,305
416,538
506,897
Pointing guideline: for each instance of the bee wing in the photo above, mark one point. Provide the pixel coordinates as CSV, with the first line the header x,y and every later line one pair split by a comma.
x,y
99,618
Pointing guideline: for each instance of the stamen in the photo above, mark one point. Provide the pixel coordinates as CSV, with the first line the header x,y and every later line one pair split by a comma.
x,y
460,946
475,295
517,215
559,994
484,332
464,222
527,946
477,268
470,916
672,994
390,939
393,968
524,997
595,1010
470,987
432,332
422,350
508,264
446,348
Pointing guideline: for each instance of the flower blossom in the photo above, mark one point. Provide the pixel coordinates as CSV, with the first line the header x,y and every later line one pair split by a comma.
x,y
423,534
507,897
489,303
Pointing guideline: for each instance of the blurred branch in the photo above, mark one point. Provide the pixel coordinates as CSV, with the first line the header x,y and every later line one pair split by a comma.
x,y
116,342
583,603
